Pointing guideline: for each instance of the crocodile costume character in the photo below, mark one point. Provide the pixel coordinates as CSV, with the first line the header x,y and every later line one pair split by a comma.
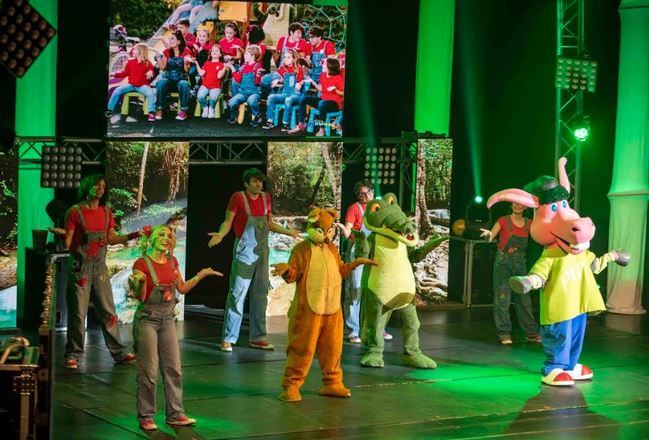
x,y
390,285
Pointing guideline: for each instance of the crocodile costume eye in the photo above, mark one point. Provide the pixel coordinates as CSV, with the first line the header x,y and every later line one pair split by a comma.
x,y
391,199
375,207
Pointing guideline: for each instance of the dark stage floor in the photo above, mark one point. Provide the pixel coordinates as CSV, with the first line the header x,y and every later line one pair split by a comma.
x,y
480,389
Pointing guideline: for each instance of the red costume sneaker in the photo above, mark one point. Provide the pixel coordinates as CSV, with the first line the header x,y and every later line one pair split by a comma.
x,y
71,363
148,425
182,421
128,359
262,345
580,372
558,378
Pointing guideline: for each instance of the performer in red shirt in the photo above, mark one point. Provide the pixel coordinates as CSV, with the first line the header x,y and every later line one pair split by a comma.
x,y
154,283
89,229
249,214
512,231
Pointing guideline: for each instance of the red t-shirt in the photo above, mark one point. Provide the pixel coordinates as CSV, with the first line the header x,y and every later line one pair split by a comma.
x,y
163,271
212,69
95,221
354,215
325,46
299,73
190,39
301,45
237,206
230,47
506,231
168,55
327,81
136,72
248,68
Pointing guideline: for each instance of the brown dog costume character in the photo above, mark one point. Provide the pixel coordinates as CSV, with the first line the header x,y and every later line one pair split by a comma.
x,y
315,317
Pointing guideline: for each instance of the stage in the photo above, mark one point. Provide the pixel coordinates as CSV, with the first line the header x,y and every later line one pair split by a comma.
x,y
480,389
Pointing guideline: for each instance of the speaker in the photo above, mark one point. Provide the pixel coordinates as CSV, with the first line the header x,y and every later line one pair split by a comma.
x,y
471,274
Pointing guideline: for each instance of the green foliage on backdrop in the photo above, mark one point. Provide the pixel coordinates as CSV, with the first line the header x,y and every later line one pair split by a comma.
x,y
300,178
141,17
8,199
439,160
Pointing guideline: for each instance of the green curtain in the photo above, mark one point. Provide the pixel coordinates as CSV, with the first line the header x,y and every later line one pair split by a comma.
x,y
434,65
629,193
35,117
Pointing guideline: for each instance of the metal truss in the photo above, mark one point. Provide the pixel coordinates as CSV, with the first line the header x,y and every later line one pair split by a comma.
x,y
250,153
569,103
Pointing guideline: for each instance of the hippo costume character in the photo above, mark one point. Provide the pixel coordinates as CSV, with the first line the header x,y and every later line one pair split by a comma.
x,y
564,273
390,285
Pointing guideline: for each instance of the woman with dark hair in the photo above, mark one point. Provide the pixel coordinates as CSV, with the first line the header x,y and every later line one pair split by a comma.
x,y
89,229
175,63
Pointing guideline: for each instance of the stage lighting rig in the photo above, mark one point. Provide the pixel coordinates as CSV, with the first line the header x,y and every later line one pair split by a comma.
x,y
381,164
24,34
581,128
61,167
573,74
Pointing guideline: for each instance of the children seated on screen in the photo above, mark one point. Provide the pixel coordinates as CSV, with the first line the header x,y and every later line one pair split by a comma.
x,y
290,74
212,73
247,79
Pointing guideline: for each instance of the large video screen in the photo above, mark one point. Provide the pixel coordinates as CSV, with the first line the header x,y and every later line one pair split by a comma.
x,y
224,69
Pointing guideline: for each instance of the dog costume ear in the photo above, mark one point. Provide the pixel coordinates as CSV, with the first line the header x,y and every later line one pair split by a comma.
x,y
314,216
334,213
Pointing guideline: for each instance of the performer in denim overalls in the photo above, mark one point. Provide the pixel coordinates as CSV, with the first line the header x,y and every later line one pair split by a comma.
x,y
89,228
248,212
364,192
510,261
154,282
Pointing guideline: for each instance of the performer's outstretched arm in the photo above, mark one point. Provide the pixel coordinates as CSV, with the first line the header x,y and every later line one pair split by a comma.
x,y
225,227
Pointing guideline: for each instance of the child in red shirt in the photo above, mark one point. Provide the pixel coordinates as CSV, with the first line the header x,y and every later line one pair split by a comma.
x,y
332,92
139,72
212,73
231,44
245,85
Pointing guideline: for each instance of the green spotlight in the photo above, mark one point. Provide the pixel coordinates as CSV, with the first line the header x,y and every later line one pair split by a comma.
x,y
581,129
477,199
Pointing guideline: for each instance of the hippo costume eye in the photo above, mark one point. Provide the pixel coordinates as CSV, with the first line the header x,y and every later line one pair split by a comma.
x,y
554,207
564,204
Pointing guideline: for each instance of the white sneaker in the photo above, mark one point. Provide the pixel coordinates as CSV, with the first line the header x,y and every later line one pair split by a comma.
x,y
130,119
205,113
114,119
210,113
387,336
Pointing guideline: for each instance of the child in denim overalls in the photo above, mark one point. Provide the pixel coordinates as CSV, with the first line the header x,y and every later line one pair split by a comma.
x,y
154,282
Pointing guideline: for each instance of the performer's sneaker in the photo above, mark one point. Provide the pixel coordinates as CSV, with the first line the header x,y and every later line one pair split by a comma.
x,y
354,339
71,363
148,425
130,358
262,345
533,338
387,336
580,372
225,346
558,378
505,339
182,421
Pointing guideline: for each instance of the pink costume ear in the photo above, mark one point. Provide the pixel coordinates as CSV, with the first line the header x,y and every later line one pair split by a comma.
x,y
563,176
514,195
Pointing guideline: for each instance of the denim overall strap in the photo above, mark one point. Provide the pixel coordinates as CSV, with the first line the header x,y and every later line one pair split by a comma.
x,y
156,298
289,83
248,86
249,274
316,64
